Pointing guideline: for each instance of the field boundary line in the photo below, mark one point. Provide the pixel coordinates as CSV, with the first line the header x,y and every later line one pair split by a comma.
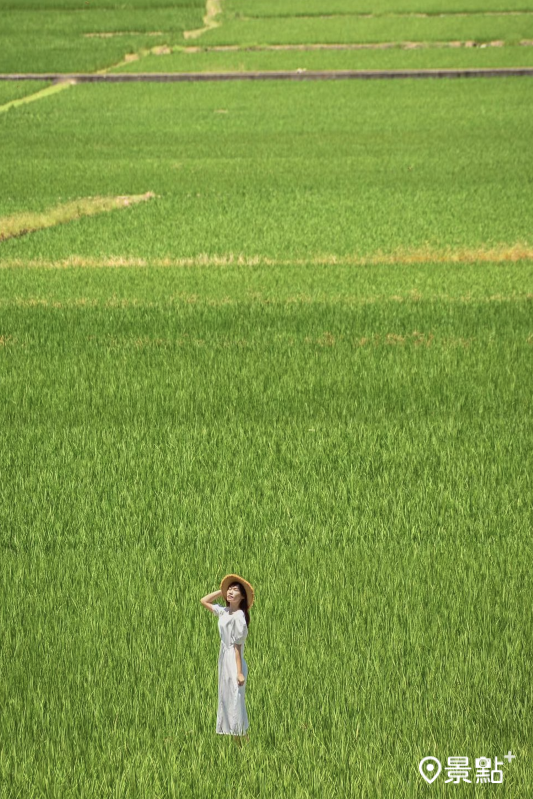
x,y
385,15
348,46
46,92
212,9
61,81
24,222
296,75
504,253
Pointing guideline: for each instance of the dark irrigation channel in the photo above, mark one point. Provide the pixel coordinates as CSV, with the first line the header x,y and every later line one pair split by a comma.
x,y
192,77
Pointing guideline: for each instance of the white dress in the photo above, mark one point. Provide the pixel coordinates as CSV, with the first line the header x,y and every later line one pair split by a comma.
x,y
231,715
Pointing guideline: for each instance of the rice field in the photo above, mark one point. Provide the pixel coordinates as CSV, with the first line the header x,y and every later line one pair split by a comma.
x,y
280,330
242,169
147,36
263,58
510,29
14,90
70,37
357,441
319,8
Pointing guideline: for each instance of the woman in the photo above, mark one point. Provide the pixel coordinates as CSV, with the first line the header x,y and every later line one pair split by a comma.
x,y
233,621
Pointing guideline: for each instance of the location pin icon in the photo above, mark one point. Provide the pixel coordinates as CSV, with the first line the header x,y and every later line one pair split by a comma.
x,y
430,768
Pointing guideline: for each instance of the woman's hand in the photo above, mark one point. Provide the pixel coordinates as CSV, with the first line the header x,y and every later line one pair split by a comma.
x,y
208,598
240,678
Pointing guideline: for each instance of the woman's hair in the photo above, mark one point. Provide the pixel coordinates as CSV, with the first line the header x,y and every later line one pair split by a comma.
x,y
243,605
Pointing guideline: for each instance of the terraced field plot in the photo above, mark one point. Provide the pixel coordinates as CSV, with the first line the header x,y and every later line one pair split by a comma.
x,y
67,36
295,35
283,330
144,36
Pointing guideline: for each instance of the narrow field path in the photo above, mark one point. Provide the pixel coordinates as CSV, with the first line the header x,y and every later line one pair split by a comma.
x,y
300,74
57,86
297,48
212,10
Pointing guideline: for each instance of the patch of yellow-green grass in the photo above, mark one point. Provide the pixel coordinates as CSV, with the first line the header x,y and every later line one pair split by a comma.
x,y
27,222
505,253
29,98
18,89
212,10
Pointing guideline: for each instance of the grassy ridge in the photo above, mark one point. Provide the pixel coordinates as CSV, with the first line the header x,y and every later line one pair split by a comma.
x,y
14,90
276,170
163,427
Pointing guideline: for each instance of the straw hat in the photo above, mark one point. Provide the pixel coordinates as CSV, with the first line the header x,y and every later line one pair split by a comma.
x,y
234,578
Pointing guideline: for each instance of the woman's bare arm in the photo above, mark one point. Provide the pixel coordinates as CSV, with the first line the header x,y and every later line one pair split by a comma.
x,y
206,600
240,675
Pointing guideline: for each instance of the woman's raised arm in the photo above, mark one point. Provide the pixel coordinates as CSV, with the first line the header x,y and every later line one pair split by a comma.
x,y
206,600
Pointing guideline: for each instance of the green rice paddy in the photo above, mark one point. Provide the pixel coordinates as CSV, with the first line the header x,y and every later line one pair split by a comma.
x,y
320,8
70,39
277,170
104,35
306,360
395,57
344,29
15,90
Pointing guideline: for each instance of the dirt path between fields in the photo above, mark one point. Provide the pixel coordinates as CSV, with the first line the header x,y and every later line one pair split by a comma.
x,y
212,10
